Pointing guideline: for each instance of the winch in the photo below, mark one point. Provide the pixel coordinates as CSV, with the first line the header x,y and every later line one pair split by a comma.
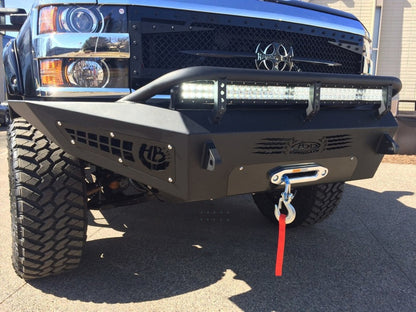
x,y
289,175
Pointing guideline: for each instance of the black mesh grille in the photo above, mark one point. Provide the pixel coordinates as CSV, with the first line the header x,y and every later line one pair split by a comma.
x,y
163,50
159,38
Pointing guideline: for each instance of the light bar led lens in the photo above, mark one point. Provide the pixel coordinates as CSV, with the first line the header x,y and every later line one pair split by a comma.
x,y
351,94
190,91
244,92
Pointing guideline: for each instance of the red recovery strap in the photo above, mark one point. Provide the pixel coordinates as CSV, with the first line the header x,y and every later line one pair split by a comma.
x,y
281,245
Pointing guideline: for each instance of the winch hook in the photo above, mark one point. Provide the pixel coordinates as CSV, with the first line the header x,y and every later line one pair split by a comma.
x,y
286,198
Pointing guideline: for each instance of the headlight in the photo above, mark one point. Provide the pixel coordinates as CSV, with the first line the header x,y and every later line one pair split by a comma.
x,y
82,50
70,19
81,20
88,74
84,73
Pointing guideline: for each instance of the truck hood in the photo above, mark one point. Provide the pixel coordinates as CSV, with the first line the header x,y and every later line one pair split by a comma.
x,y
292,11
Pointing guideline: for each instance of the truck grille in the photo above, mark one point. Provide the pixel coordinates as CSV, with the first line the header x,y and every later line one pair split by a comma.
x,y
163,41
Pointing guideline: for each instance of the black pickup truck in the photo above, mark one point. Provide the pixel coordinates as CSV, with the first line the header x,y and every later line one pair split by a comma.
x,y
114,102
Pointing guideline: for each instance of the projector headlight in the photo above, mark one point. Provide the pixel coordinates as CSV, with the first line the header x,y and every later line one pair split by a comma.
x,y
60,19
81,20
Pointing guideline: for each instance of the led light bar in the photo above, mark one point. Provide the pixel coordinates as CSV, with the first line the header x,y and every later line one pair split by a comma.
x,y
222,93
247,92
190,91
351,94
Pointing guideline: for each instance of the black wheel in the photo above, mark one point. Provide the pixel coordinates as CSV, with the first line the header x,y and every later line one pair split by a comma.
x,y
47,201
312,203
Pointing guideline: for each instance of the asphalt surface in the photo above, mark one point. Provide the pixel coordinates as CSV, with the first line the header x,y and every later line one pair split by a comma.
x,y
219,256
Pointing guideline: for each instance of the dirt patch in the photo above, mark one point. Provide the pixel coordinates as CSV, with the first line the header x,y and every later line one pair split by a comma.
x,y
400,159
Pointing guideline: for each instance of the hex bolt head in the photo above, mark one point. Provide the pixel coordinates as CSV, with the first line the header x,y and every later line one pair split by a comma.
x,y
59,123
241,168
72,142
120,160
170,147
170,180
112,134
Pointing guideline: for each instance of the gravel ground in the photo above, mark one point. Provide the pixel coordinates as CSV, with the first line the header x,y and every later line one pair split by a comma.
x,y
400,159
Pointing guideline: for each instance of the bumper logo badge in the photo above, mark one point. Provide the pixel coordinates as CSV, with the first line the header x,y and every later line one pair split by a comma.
x,y
154,157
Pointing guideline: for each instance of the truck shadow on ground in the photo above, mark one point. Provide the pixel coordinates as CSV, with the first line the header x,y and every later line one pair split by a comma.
x,y
350,260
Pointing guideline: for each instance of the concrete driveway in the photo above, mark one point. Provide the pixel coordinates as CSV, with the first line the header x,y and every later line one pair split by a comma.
x,y
219,256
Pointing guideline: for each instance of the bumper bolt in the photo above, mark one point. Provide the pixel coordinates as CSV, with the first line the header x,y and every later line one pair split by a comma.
x,y
59,123
170,180
72,142
170,147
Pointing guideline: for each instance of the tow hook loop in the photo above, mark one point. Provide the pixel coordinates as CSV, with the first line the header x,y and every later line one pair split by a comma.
x,y
285,199
387,145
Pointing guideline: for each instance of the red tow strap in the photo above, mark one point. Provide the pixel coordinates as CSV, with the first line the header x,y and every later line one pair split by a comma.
x,y
281,245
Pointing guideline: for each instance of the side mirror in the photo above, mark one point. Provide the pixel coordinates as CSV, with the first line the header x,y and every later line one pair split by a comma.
x,y
17,19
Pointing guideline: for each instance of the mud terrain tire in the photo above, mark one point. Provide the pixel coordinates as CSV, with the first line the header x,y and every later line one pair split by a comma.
x,y
313,204
47,202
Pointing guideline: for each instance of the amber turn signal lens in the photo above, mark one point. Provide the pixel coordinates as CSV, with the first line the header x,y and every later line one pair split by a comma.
x,y
51,73
47,20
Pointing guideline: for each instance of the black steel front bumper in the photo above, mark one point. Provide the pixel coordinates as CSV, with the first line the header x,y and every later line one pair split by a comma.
x,y
187,155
